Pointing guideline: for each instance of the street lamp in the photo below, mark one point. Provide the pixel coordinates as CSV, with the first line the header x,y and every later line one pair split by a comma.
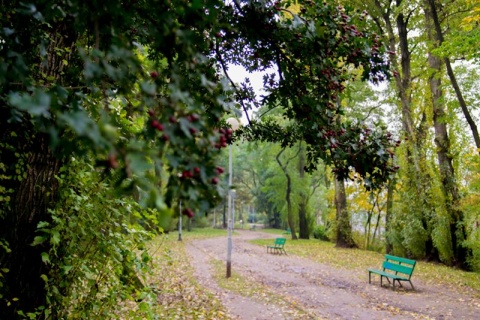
x,y
180,223
235,125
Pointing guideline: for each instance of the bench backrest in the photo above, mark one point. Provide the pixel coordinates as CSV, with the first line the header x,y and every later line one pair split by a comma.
x,y
399,265
280,242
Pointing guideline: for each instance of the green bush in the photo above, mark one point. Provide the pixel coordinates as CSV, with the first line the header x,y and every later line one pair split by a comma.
x,y
320,233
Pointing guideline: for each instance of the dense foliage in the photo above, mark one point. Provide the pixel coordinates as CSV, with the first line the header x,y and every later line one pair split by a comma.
x,y
106,104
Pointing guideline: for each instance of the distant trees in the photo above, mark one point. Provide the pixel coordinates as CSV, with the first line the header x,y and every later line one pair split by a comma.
x,y
111,113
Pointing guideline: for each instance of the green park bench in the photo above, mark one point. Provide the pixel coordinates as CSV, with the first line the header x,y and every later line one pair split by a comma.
x,y
278,246
395,268
288,231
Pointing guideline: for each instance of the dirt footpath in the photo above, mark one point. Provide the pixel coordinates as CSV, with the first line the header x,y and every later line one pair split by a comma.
x,y
319,291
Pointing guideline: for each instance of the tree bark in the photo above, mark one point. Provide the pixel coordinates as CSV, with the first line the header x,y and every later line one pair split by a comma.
x,y
36,193
388,214
32,198
344,228
304,232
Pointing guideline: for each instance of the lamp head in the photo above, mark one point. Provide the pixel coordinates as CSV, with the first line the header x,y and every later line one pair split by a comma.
x,y
233,123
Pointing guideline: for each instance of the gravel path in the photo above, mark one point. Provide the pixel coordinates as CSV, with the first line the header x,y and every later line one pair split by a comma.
x,y
310,290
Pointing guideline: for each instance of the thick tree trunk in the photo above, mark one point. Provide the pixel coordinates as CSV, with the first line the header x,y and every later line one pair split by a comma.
x,y
445,161
33,196
344,228
304,232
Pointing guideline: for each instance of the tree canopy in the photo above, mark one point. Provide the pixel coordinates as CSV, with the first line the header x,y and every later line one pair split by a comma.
x,y
136,91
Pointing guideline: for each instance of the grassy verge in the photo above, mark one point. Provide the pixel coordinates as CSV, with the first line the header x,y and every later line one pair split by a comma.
x,y
360,260
179,296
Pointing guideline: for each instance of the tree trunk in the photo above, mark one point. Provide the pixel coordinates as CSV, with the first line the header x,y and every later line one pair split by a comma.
x,y
442,141
291,224
288,193
344,228
388,214
304,232
416,180
33,196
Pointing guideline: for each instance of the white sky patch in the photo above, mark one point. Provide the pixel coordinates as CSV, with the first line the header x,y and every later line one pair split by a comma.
x,y
238,74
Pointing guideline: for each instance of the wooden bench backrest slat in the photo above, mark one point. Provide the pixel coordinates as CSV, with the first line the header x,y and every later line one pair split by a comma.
x,y
405,269
400,260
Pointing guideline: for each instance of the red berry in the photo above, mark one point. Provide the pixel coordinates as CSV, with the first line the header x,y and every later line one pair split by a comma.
x,y
196,170
219,170
154,74
193,118
188,212
215,180
165,137
151,113
155,123
172,119
192,130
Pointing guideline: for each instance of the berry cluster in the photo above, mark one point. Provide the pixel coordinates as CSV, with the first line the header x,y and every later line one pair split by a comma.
x,y
225,137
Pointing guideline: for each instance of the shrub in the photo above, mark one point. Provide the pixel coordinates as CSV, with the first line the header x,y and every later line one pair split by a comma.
x,y
320,233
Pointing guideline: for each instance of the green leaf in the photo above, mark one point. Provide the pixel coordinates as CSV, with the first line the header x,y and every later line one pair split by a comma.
x,y
149,88
36,105
42,224
55,237
45,257
39,240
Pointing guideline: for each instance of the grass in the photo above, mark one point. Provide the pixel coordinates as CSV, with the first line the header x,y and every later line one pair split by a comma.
x,y
179,296
199,233
356,259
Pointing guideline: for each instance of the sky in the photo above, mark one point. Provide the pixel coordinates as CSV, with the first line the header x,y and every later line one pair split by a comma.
x,y
238,74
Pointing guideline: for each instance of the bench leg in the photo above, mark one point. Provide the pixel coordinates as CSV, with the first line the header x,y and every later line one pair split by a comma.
x,y
411,284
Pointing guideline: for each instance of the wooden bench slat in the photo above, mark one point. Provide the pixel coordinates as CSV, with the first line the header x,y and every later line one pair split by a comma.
x,y
396,268
278,246
400,259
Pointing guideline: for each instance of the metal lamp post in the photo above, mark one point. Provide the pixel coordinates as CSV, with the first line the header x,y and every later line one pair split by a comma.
x,y
234,124
180,223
